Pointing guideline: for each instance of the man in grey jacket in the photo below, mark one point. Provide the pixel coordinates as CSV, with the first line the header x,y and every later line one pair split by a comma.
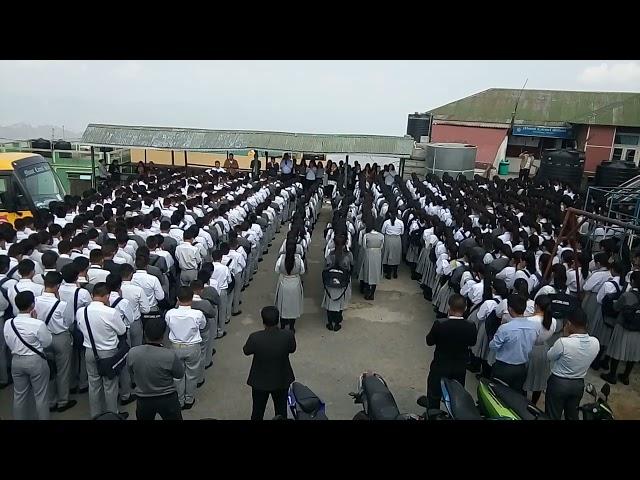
x,y
153,368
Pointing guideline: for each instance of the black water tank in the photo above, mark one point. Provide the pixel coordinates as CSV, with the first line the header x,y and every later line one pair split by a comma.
x,y
42,144
62,145
613,174
563,164
418,125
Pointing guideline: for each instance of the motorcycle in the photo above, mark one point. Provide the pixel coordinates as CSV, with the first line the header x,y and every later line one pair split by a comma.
x,y
459,404
496,400
599,409
377,400
304,404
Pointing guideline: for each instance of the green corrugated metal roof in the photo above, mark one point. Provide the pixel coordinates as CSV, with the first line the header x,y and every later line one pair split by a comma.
x,y
545,107
221,140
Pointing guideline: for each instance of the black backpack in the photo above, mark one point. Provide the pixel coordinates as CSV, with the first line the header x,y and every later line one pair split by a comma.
x,y
336,278
609,314
631,315
8,313
456,276
492,323
562,304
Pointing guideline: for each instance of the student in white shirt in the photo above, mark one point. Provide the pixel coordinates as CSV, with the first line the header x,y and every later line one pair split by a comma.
x,y
188,258
49,259
149,283
106,326
29,368
96,273
139,302
220,279
184,325
392,229
58,317
26,272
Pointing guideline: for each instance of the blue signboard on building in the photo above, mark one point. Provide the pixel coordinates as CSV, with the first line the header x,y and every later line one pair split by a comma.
x,y
547,132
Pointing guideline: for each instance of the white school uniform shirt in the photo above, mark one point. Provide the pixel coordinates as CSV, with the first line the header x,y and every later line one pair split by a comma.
x,y
185,324
23,285
95,274
532,280
607,288
123,307
93,245
176,233
396,229
222,276
67,291
596,279
487,307
544,334
188,256
136,298
124,256
39,279
62,316
166,255
572,283
106,325
32,331
508,275
502,310
150,285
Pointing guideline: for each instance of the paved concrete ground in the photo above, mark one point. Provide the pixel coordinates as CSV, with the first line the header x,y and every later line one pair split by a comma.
x,y
386,335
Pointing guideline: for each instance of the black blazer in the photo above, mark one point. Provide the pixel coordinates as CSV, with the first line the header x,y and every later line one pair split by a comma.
x,y
270,368
452,338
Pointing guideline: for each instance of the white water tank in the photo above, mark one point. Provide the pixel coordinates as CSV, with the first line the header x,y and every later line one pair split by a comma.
x,y
452,158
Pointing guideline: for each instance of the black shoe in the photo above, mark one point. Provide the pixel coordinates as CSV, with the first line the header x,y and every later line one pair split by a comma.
x,y
83,390
67,406
213,352
595,365
623,379
243,289
53,409
227,322
209,366
239,312
607,377
198,385
220,336
188,406
132,398
337,327
329,326
260,259
124,415
387,276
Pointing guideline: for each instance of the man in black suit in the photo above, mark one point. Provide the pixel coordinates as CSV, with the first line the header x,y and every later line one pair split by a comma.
x,y
452,337
271,372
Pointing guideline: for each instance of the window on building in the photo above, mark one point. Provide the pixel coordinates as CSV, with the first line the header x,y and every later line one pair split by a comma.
x,y
626,147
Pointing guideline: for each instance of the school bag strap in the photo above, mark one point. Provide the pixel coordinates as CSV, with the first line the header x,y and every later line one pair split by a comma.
x,y
51,312
25,343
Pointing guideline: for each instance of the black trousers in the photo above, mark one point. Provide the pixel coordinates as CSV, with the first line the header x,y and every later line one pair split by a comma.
x,y
334,317
563,395
512,375
524,173
167,406
260,398
437,373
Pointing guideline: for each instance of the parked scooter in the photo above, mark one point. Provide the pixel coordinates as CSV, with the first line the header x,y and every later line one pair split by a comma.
x,y
459,404
304,404
376,399
599,409
497,400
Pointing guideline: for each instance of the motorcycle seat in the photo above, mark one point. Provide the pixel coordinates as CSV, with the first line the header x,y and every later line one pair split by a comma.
x,y
382,405
462,403
308,401
516,402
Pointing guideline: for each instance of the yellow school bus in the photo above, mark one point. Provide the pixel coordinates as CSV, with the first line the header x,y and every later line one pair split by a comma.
x,y
27,183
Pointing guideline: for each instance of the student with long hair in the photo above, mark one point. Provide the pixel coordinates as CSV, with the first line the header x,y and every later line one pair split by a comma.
x,y
392,229
538,368
335,300
371,269
289,297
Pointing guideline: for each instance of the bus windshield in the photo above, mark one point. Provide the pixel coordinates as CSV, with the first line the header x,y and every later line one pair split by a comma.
x,y
41,184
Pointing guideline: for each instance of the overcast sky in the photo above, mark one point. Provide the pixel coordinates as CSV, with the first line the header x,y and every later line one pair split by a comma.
x,y
300,96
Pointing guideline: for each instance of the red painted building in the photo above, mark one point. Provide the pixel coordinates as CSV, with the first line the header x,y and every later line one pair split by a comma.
x,y
503,123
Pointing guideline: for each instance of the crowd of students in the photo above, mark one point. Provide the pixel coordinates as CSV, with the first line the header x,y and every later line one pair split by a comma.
x,y
89,286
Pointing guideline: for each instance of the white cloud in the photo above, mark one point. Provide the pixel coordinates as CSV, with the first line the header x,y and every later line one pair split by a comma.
x,y
614,74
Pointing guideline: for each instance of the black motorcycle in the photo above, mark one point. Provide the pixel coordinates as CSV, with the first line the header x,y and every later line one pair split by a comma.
x,y
304,404
376,400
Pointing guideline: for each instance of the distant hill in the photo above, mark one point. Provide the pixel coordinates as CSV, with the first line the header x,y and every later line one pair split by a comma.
x,y
23,131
